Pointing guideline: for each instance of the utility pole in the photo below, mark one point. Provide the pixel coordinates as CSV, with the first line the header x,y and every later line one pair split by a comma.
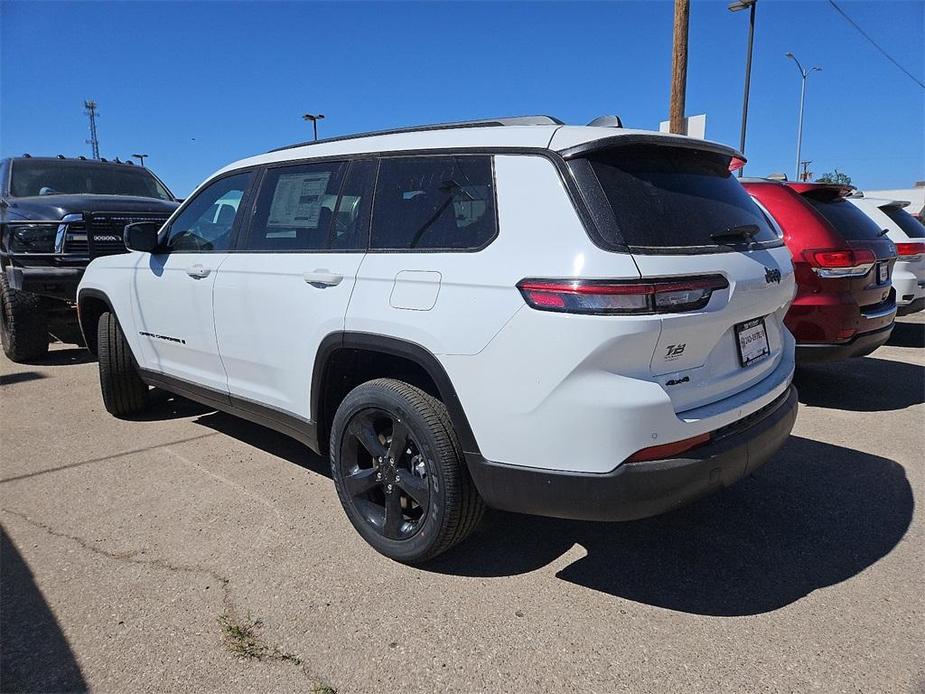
x,y
805,176
679,67
314,118
90,106
804,74
140,158
750,5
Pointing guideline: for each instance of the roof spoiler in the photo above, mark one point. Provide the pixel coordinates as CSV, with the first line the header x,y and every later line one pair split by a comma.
x,y
653,139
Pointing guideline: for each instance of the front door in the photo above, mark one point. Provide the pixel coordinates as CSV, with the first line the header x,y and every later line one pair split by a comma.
x,y
173,289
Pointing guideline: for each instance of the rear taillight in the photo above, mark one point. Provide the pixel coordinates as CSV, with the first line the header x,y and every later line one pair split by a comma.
x,y
669,295
668,450
910,251
840,262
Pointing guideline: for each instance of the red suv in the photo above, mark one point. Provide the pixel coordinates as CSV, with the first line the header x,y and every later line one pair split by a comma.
x,y
845,304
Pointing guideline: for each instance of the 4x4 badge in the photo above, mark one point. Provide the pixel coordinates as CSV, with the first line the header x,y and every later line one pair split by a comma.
x,y
771,274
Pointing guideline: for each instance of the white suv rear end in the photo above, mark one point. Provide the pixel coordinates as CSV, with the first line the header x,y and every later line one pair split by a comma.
x,y
908,234
569,321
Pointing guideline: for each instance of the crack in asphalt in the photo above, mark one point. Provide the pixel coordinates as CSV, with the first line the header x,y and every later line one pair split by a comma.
x,y
106,457
132,557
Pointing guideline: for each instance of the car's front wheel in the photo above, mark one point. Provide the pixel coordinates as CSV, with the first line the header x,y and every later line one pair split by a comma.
x,y
399,471
124,393
23,323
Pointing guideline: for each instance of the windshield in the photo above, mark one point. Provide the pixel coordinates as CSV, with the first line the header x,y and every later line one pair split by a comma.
x,y
667,197
77,177
909,224
849,221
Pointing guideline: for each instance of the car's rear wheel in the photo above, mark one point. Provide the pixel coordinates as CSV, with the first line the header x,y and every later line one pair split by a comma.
x,y
23,323
399,471
124,393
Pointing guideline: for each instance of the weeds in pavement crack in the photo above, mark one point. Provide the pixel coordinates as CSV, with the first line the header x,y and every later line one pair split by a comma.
x,y
242,638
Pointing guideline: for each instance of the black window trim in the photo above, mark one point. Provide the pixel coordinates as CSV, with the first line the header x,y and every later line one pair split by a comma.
x,y
554,157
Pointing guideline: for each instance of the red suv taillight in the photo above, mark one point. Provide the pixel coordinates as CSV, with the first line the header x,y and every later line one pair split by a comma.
x,y
910,251
840,262
669,295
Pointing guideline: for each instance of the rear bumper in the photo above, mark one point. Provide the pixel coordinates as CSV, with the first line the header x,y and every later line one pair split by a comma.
x,y
54,282
912,307
639,490
859,346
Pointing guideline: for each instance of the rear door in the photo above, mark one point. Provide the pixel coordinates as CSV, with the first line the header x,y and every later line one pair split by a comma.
x,y
173,290
681,213
288,283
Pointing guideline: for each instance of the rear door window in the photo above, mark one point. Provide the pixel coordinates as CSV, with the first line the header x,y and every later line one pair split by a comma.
x,y
912,227
665,198
295,208
850,222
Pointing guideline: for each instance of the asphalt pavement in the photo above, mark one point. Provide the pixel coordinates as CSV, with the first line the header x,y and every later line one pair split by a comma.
x,y
192,551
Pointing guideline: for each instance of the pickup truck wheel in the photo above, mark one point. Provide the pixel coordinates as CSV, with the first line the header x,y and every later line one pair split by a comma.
x,y
399,471
124,393
23,323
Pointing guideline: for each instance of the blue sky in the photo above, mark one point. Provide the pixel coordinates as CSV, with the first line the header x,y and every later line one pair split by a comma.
x,y
197,85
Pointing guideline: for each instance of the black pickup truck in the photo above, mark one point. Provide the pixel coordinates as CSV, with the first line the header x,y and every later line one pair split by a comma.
x,y
56,215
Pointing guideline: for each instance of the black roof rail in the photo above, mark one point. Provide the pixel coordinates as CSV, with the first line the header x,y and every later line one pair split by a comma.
x,y
486,123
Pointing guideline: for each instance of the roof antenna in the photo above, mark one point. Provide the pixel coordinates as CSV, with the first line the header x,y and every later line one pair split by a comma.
x,y
606,122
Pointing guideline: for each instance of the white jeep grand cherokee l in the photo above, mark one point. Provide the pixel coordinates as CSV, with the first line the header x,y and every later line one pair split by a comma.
x,y
581,322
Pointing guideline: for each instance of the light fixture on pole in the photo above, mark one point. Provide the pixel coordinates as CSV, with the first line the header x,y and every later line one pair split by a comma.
x,y
140,158
803,74
737,6
314,118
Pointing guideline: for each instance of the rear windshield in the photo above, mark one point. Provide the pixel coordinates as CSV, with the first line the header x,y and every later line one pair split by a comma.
x,y
909,224
70,177
670,197
849,221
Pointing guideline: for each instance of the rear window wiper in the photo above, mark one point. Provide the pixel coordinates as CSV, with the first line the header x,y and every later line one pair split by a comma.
x,y
741,233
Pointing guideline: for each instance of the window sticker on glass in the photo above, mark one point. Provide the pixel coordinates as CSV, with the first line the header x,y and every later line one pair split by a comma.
x,y
297,200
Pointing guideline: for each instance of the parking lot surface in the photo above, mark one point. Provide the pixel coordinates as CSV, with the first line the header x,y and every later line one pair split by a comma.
x,y
132,550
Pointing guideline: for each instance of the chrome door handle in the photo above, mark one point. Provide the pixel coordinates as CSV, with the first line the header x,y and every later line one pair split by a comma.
x,y
322,278
198,271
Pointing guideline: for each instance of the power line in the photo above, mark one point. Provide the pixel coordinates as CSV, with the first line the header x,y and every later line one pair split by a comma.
x,y
876,45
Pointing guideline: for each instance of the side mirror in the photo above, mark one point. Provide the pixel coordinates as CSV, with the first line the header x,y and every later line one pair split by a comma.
x,y
141,236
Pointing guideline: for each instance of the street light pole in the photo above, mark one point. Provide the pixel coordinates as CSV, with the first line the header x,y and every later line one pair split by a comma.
x,y
140,158
314,118
735,7
803,74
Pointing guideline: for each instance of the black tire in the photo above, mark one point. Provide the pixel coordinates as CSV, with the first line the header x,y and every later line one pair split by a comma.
x,y
23,324
438,505
124,393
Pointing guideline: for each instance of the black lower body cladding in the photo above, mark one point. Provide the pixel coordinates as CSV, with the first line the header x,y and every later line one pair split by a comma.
x,y
641,489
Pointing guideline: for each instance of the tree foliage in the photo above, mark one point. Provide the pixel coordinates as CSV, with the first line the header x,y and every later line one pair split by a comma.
x,y
836,176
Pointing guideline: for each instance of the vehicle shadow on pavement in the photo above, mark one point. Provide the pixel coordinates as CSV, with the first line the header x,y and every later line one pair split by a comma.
x,y
868,385
163,406
69,356
266,440
20,377
35,655
814,516
907,335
